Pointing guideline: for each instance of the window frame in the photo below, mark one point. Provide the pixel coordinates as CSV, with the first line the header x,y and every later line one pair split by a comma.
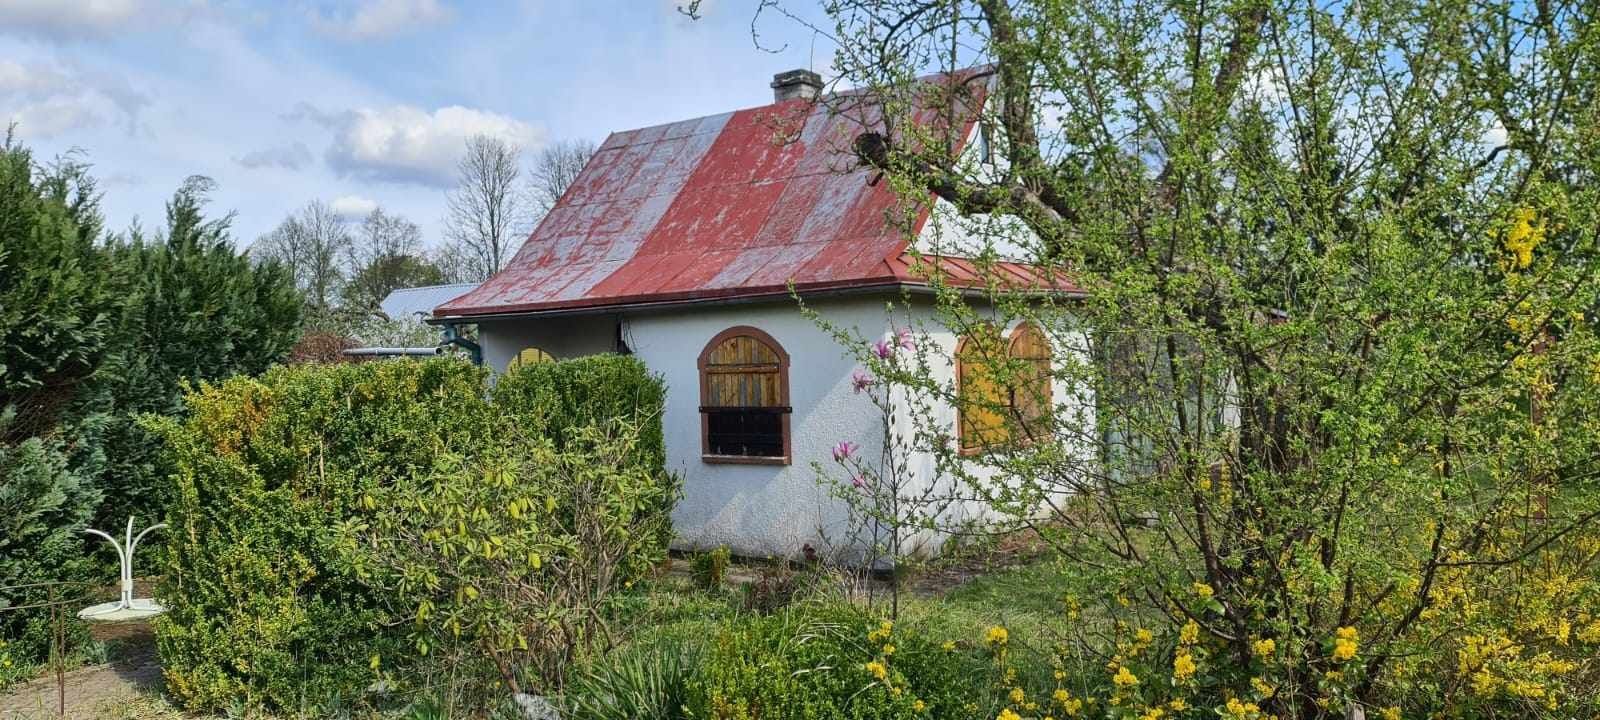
x,y
1046,397
977,446
1009,414
784,408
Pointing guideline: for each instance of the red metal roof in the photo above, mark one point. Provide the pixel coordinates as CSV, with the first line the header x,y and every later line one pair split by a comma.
x,y
732,205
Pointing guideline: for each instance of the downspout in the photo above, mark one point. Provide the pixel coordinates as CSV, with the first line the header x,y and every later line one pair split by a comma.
x,y
452,336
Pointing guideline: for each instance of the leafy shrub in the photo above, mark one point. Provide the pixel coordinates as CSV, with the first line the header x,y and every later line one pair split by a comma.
x,y
824,661
709,568
265,604
777,586
44,505
509,562
554,399
335,525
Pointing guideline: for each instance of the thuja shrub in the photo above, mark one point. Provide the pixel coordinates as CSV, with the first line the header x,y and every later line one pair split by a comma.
x,y
266,607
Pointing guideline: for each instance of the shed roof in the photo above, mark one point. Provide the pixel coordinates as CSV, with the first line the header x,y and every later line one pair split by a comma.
x,y
725,206
413,302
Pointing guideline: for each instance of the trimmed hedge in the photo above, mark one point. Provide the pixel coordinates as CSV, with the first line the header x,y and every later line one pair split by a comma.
x,y
260,609
270,603
552,399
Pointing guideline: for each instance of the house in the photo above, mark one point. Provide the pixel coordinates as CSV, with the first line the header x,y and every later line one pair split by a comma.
x,y
679,243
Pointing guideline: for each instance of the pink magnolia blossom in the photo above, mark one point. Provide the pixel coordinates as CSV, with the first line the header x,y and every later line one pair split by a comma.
x,y
904,339
858,482
860,381
882,349
844,450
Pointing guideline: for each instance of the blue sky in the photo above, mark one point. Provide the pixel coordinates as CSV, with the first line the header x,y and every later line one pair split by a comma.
x,y
359,102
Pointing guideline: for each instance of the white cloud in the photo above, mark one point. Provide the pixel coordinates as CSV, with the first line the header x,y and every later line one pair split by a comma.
x,y
294,156
57,18
47,100
378,19
353,207
77,19
406,144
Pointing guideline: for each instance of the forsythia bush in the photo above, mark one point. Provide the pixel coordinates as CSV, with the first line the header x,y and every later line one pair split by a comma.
x,y
335,524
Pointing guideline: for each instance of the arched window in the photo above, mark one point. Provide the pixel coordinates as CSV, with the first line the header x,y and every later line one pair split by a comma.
x,y
529,356
1030,389
744,398
980,398
1003,388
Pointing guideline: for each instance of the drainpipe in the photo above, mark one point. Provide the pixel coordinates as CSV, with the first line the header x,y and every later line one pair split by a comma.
x,y
452,336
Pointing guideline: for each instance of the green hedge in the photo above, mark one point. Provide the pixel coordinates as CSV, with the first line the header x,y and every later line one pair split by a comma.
x,y
262,609
553,398
271,604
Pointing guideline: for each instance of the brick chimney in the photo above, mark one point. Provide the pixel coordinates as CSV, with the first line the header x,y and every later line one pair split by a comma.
x,y
792,84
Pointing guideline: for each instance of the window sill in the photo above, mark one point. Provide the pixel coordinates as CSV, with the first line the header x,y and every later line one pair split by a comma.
x,y
744,460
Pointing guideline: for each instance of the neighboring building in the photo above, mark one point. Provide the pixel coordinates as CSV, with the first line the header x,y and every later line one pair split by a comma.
x,y
417,303
679,243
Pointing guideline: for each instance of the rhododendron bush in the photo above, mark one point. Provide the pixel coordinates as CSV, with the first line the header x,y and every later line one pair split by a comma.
x,y
1337,320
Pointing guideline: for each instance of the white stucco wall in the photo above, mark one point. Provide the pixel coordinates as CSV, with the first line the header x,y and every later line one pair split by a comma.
x,y
761,510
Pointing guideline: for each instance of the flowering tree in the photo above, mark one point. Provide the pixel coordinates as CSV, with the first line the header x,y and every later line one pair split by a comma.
x,y
889,500
1338,274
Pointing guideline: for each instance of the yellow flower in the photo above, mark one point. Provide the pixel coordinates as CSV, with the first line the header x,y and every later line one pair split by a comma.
x,y
1190,633
1006,714
1237,709
1123,678
1389,713
888,650
878,670
1178,705
1203,590
1345,644
1061,696
949,646
1018,696
918,706
997,635
1154,713
1526,232
1263,687
1183,667
1265,647
1145,637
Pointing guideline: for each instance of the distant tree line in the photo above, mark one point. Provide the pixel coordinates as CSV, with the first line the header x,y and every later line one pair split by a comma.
x,y
347,269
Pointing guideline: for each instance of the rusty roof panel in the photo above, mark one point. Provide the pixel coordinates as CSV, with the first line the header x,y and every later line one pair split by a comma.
x,y
713,207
